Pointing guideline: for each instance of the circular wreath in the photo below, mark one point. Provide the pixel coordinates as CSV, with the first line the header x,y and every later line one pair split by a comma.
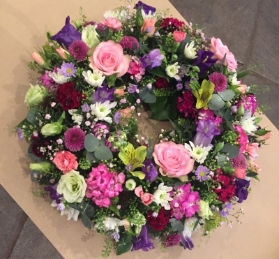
x,y
102,160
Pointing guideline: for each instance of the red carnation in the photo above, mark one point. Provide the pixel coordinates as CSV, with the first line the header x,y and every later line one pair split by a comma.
x,y
186,104
68,97
172,24
158,222
161,83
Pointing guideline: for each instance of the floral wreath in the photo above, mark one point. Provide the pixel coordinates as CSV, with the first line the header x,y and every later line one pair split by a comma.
x,y
96,80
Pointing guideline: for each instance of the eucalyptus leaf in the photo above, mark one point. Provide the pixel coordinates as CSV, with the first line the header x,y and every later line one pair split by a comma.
x,y
147,95
231,150
221,159
103,153
123,248
91,143
31,115
89,211
91,157
158,71
86,221
227,95
216,102
177,226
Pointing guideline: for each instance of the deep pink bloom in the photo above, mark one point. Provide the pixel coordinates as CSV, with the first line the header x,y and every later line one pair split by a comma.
x,y
239,161
219,80
129,42
173,240
78,49
100,130
190,205
186,104
46,79
249,103
242,138
74,139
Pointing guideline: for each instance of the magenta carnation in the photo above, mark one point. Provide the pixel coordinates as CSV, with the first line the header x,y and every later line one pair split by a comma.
x,y
74,139
78,49
219,80
129,42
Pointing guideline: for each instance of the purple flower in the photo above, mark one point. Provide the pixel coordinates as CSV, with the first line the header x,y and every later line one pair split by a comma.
x,y
74,139
219,80
20,134
241,191
53,193
129,42
142,241
67,34
179,86
202,173
206,130
46,79
78,49
68,69
117,117
132,88
173,240
153,59
100,130
115,236
149,170
103,94
146,8
204,61
226,208
239,161
187,242
85,107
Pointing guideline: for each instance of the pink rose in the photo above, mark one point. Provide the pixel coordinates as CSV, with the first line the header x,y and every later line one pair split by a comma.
x,y
113,23
65,161
179,36
240,173
173,159
146,198
220,50
109,58
148,26
252,149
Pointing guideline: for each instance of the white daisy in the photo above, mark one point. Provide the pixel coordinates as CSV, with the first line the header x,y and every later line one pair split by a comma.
x,y
58,77
94,79
162,196
248,124
102,110
199,153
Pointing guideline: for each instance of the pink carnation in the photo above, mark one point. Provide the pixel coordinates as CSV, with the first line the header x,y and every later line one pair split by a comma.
x,y
65,161
242,138
113,23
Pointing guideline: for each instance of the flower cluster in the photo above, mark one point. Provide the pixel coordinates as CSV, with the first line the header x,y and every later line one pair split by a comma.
x,y
87,150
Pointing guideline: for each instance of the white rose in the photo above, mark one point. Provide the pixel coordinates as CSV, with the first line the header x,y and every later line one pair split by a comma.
x,y
190,51
72,185
90,36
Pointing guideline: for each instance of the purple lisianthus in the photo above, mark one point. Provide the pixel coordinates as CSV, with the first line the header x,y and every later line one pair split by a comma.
x,y
149,170
204,61
153,59
241,191
146,8
187,242
206,130
103,94
53,193
202,173
226,208
67,34
142,241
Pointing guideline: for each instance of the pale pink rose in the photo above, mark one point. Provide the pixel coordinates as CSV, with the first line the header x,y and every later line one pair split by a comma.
x,y
61,52
65,161
179,36
252,149
173,159
148,26
119,92
146,198
264,137
220,50
242,88
240,173
112,23
109,58
37,58
138,191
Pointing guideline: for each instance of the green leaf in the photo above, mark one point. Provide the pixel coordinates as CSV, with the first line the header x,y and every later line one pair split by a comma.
x,y
91,157
91,143
242,74
158,71
31,115
216,102
218,147
227,95
160,116
254,175
157,107
89,211
111,80
86,221
138,174
261,132
34,175
75,206
177,225
32,156
231,150
114,209
147,95
123,248
257,120
103,153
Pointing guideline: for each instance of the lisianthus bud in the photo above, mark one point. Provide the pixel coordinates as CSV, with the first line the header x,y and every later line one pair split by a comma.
x,y
41,166
35,95
130,184
51,129
37,58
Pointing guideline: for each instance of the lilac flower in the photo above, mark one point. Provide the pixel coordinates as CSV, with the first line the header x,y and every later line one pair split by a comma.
x,y
85,108
179,86
187,242
142,241
153,59
149,170
241,191
206,130
103,94
132,88
68,69
53,193
226,208
204,61
115,236
146,8
202,173
67,34
117,117
20,134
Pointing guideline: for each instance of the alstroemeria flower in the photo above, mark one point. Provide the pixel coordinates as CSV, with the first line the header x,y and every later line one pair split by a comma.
x,y
204,94
102,110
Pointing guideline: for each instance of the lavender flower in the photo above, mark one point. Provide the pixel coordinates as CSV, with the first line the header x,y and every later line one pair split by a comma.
x,y
153,59
202,173
85,108
20,134
142,241
204,61
179,86
67,34
241,191
206,130
226,208
132,88
53,193
117,117
146,8
115,236
149,170
68,69
103,94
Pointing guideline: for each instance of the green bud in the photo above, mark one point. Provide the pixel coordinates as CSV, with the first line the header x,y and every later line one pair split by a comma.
x,y
51,129
35,95
240,110
41,166
130,184
139,18
228,104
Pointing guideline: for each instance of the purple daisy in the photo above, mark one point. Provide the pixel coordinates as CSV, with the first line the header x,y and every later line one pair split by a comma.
x,y
219,80
78,49
68,69
74,139
202,173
